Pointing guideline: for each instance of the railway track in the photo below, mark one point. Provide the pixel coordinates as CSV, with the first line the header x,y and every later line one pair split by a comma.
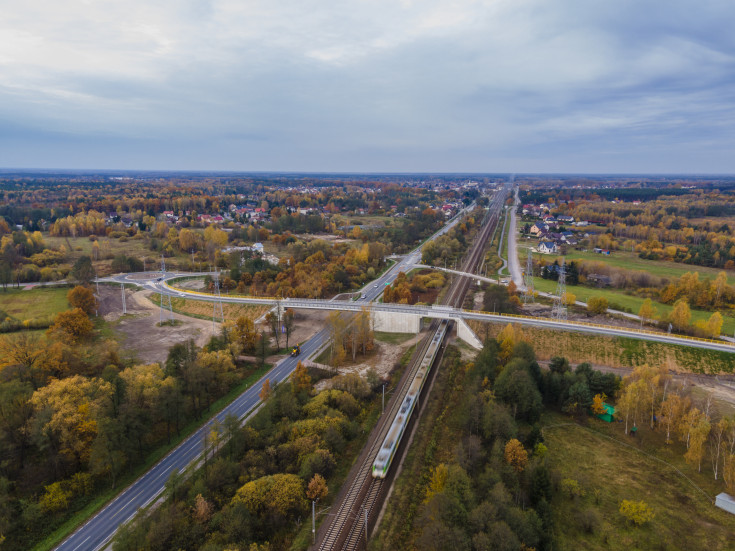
x,y
349,527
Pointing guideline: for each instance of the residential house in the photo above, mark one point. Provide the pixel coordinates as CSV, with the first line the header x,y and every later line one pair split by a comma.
x,y
547,247
538,228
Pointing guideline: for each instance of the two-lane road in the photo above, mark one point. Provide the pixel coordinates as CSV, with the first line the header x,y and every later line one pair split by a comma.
x,y
98,530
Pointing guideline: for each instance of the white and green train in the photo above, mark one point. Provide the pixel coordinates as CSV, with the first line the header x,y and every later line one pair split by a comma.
x,y
395,433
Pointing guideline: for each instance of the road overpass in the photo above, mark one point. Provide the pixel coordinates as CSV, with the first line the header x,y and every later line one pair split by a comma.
x,y
96,533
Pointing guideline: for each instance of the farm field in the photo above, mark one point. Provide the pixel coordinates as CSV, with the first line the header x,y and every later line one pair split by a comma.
x,y
627,301
610,471
39,302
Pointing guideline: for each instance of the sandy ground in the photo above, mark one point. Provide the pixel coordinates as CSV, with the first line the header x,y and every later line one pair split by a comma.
x,y
383,360
140,335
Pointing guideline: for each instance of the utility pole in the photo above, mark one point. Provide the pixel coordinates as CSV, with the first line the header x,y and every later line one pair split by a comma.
x,y
122,290
313,521
366,525
528,277
383,397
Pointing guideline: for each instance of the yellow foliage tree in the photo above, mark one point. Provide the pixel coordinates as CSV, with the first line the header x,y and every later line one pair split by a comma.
x,y
300,379
317,487
569,299
637,512
266,391
699,434
714,325
516,455
72,325
681,315
83,298
437,482
597,305
277,495
647,312
728,472
55,497
598,407
67,410
212,234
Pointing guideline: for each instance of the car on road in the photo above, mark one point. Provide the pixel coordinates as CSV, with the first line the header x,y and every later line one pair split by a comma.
x,y
375,286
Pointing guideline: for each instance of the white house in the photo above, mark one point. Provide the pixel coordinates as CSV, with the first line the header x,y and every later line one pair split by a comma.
x,y
547,247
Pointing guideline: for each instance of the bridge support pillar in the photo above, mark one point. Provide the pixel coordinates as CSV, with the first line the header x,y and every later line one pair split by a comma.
x,y
391,322
465,333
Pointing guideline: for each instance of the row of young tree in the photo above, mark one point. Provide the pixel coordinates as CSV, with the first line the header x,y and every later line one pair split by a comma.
x,y
649,397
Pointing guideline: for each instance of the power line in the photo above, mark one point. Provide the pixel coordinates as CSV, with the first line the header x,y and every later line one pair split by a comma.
x,y
559,309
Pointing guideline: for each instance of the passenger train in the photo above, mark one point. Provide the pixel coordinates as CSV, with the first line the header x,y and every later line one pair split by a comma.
x,y
393,438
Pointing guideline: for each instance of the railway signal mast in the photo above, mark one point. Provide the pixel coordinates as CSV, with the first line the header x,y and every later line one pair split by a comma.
x,y
559,309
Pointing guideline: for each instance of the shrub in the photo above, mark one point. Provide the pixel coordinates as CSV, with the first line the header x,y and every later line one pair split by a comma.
x,y
637,512
572,488
597,305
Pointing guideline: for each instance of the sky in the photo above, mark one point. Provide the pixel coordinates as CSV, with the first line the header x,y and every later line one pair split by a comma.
x,y
585,86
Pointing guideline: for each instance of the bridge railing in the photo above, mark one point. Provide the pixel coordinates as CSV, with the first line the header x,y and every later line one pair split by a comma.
x,y
599,325
448,311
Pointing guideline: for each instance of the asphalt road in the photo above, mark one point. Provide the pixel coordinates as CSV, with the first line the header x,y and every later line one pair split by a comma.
x,y
514,266
98,530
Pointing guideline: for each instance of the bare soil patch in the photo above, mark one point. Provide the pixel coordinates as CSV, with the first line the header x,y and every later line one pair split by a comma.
x,y
383,360
140,335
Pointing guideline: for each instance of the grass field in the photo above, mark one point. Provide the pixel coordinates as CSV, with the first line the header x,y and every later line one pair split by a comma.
x,y
39,302
627,301
609,471
203,310
623,259
110,248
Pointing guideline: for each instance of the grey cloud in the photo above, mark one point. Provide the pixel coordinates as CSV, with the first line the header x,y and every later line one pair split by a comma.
x,y
508,85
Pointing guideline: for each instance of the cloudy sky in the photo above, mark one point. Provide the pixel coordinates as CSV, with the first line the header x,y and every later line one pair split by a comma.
x,y
371,85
